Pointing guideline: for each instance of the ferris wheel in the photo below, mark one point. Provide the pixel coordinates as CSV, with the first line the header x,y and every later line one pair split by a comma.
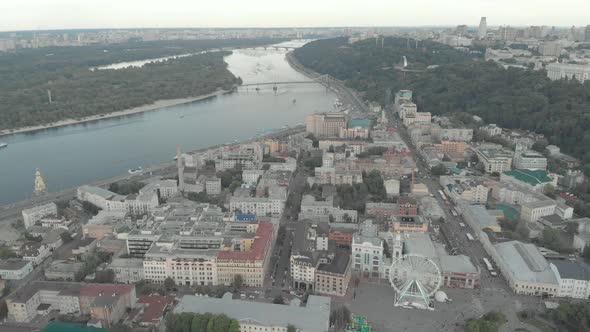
x,y
416,279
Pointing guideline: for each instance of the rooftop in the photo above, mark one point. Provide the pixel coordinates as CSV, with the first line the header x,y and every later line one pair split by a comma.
x,y
524,262
359,123
312,318
457,264
338,265
13,264
154,307
529,176
572,270
257,252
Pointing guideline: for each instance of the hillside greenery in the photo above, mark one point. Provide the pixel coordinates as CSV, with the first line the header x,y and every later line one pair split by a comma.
x,y
462,83
77,91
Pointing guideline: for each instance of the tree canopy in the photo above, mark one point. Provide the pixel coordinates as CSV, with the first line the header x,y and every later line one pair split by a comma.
x,y
511,98
77,91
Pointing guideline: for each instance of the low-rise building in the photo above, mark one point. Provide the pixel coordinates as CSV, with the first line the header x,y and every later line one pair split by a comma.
x,y
260,316
530,159
251,264
213,186
15,269
532,211
184,266
478,218
525,269
381,211
332,274
470,189
533,179
491,130
36,252
36,213
367,251
558,71
62,270
261,206
127,270
105,302
494,158
573,278
409,223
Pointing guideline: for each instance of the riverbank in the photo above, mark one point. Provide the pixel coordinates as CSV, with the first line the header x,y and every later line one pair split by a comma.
x,y
135,110
346,95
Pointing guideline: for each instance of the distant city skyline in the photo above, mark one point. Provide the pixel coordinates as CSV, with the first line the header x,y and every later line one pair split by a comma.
x,y
73,14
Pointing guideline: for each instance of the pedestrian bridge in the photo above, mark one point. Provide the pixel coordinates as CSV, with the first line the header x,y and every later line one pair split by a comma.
x,y
325,80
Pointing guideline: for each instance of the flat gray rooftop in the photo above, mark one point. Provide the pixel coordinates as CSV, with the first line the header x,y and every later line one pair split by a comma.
x,y
312,318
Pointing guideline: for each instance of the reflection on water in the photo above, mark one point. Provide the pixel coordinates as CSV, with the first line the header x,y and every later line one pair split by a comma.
x,y
74,155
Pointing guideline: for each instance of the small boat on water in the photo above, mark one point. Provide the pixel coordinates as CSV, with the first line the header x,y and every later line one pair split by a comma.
x,y
3,145
136,170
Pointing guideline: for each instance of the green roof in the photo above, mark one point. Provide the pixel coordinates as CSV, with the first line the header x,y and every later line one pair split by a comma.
x,y
359,123
509,211
70,327
531,177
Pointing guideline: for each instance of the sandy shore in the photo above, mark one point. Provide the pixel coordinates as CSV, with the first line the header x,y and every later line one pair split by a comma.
x,y
140,109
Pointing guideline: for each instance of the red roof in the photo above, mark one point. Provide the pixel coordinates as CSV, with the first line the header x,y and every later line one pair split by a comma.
x,y
261,242
154,307
105,289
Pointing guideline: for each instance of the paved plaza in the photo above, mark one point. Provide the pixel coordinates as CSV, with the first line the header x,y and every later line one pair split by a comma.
x,y
376,302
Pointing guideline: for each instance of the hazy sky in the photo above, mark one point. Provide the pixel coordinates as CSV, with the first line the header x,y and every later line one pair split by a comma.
x,y
67,14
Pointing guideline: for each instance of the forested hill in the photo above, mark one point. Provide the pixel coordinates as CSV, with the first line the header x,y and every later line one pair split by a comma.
x,y
26,75
512,98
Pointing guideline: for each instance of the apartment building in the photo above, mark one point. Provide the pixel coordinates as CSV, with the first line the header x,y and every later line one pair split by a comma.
x,y
127,270
36,213
251,264
325,124
261,206
184,266
530,159
494,158
558,71
332,274
15,269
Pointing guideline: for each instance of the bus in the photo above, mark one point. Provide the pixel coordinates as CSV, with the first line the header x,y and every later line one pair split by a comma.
x,y
440,192
454,212
469,236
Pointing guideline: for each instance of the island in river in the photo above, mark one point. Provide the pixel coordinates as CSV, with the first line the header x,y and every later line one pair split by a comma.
x,y
49,87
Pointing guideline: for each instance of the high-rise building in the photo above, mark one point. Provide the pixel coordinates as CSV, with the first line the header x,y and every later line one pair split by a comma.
x,y
483,28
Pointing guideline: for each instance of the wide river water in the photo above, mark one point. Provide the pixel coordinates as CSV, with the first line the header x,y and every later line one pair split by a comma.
x,y
83,153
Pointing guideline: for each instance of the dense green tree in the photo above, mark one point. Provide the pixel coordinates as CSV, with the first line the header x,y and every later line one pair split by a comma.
x,y
291,328
169,284
512,98
77,91
438,170
339,317
575,316
238,281
375,185
278,300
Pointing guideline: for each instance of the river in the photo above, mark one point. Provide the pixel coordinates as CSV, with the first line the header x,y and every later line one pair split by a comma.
x,y
83,153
